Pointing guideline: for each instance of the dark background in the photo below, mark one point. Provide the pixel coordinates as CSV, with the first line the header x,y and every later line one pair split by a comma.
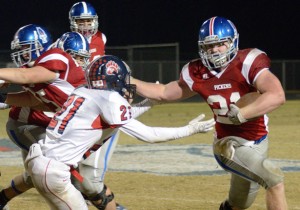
x,y
272,26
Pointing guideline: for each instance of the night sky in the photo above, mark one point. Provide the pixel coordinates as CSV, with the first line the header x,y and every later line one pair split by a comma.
x,y
272,26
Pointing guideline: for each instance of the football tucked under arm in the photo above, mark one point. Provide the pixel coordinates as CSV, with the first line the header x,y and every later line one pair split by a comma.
x,y
247,99
234,113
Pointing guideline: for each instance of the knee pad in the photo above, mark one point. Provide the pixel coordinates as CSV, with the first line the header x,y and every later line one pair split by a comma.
x,y
105,199
275,175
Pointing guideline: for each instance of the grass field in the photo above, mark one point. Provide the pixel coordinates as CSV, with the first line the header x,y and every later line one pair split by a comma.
x,y
141,191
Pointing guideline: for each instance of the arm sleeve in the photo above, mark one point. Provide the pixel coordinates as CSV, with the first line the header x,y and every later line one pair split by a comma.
x,y
149,134
140,108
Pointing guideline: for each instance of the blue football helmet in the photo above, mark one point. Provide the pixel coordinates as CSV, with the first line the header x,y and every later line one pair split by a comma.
x,y
214,31
29,43
83,11
77,46
110,73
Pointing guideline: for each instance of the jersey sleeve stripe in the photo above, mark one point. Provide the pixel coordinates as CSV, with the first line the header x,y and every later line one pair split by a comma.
x,y
248,63
186,76
256,76
56,56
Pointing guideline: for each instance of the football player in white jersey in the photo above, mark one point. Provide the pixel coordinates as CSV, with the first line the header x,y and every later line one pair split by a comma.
x,y
221,76
83,19
95,161
90,116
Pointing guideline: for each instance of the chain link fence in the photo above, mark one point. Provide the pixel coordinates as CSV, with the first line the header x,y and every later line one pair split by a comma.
x,y
160,62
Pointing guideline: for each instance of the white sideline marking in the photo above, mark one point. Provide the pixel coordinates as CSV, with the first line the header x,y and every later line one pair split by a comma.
x,y
163,159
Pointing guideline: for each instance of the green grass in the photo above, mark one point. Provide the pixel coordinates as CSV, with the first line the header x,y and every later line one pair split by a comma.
x,y
139,191
284,125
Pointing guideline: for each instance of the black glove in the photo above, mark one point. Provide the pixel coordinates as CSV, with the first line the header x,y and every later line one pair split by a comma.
x,y
3,97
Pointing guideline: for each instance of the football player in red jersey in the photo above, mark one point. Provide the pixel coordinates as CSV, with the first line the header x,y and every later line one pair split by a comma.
x,y
221,76
84,19
46,74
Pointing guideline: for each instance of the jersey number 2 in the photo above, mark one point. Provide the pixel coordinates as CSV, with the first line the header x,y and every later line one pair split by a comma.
x,y
221,113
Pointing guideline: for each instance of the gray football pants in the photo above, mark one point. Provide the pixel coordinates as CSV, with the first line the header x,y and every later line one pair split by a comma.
x,y
24,135
250,168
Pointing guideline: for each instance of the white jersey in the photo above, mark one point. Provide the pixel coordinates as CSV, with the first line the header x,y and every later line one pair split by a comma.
x,y
91,116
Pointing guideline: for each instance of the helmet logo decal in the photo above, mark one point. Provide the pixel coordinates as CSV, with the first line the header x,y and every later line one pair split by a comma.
x,y
112,68
42,34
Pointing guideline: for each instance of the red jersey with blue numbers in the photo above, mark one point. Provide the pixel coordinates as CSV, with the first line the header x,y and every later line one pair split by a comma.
x,y
220,89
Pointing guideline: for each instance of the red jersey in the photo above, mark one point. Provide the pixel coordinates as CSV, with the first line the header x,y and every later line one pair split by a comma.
x,y
221,89
97,45
69,76
29,116
54,93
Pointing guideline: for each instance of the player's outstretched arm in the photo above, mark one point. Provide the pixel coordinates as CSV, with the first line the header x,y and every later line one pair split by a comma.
x,y
149,134
144,106
173,91
37,74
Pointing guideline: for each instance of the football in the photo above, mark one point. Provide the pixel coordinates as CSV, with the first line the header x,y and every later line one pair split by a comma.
x,y
247,99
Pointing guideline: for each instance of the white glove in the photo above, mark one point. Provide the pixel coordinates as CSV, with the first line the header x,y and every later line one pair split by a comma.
x,y
4,106
198,126
235,115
